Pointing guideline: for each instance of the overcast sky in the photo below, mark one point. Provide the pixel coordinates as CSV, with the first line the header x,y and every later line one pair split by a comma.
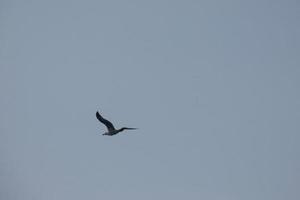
x,y
212,85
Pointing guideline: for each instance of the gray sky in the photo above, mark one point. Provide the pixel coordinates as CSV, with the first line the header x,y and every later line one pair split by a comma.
x,y
213,87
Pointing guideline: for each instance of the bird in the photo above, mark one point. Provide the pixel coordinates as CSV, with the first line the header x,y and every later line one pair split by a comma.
x,y
110,127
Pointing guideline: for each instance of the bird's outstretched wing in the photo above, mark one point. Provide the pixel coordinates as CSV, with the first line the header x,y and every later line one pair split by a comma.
x,y
107,123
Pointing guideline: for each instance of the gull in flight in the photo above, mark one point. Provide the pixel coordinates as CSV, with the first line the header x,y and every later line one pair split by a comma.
x,y
110,127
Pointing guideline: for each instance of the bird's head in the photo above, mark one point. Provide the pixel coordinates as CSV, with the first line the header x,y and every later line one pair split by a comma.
x,y
126,128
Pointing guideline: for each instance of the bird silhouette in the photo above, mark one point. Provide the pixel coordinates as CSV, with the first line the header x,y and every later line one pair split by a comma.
x,y
110,127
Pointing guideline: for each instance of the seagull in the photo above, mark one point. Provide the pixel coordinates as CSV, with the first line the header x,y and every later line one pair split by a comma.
x,y
110,127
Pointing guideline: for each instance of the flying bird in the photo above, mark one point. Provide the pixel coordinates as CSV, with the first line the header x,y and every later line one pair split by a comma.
x,y
110,127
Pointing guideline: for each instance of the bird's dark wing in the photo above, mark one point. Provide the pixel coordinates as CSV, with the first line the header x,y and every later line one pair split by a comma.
x,y
107,123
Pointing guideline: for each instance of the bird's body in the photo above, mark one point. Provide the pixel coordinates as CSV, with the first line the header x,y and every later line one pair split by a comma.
x,y
110,127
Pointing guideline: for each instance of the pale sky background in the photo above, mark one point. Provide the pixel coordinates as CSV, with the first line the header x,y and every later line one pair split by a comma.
x,y
213,87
